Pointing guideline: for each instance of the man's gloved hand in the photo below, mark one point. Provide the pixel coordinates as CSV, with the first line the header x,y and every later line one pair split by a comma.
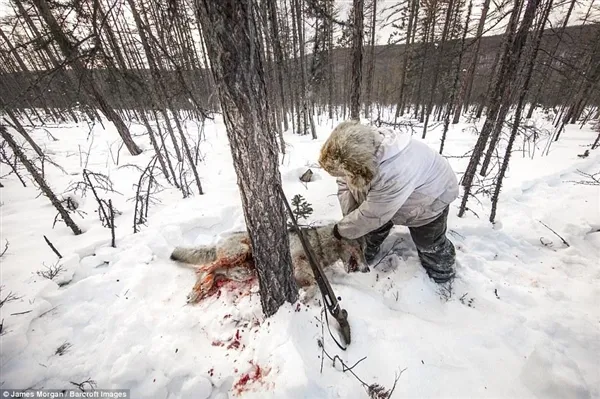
x,y
336,233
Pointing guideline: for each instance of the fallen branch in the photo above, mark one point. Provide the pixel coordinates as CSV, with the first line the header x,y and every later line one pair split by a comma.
x,y
375,391
20,313
593,179
112,223
558,235
8,298
81,385
52,247
5,249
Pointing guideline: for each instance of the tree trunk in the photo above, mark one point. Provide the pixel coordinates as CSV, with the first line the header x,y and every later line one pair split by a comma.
x,y
233,48
521,104
357,57
330,74
505,75
302,108
74,57
39,180
465,96
484,99
279,63
456,78
438,66
596,143
21,129
545,75
412,19
496,132
371,71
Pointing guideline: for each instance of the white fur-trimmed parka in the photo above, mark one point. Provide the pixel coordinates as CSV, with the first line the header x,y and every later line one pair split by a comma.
x,y
384,175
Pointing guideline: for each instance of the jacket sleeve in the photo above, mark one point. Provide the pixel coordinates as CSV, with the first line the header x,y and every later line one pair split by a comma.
x,y
381,204
345,197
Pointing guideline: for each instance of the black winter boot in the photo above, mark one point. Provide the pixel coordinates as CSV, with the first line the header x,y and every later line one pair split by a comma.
x,y
374,239
436,251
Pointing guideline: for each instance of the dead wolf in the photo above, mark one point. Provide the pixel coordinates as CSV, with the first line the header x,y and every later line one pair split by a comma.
x,y
231,259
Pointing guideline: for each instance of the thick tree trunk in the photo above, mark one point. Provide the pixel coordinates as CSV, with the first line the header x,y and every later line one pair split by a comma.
x,y
39,180
357,58
233,48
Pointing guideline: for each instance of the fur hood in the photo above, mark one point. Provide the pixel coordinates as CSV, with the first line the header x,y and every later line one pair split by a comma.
x,y
354,151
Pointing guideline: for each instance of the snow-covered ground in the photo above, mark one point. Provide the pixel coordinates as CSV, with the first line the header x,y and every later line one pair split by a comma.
x,y
523,320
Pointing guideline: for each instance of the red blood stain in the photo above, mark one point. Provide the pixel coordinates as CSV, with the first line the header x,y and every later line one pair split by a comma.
x,y
234,345
255,375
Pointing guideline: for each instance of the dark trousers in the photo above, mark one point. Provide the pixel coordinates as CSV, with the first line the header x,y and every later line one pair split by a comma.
x,y
436,251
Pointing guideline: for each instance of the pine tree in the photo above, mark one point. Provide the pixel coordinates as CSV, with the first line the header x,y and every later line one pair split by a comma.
x,y
230,32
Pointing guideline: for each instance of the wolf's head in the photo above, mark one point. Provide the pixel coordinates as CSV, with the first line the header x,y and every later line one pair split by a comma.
x,y
350,252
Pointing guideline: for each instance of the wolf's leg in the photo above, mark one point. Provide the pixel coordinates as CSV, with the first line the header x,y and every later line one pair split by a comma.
x,y
310,293
204,282
302,271
304,277
235,268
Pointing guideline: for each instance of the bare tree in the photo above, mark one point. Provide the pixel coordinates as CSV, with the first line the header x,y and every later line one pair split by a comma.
x,y
452,104
279,61
371,68
230,33
357,58
73,57
412,22
465,94
66,217
505,76
532,6
438,63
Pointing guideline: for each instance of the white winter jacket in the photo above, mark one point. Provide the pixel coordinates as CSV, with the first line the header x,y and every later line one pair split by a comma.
x,y
385,175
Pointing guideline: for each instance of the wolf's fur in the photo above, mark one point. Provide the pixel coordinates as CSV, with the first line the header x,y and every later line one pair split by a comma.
x,y
231,258
349,153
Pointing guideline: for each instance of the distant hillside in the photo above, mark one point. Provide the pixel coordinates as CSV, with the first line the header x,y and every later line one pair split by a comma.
x,y
576,40
124,89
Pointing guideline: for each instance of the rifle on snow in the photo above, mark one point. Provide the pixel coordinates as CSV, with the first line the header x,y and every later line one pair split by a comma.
x,y
329,297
